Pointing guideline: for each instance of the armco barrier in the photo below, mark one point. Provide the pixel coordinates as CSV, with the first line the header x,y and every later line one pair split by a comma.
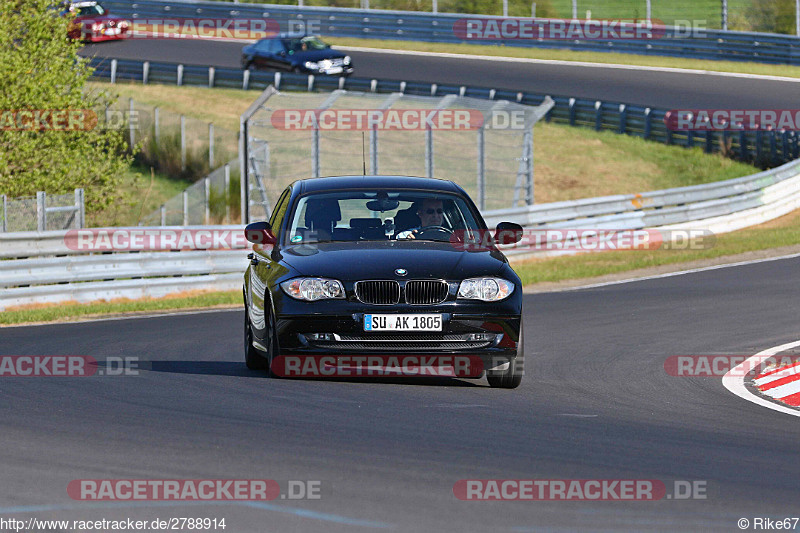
x,y
41,268
764,149
427,27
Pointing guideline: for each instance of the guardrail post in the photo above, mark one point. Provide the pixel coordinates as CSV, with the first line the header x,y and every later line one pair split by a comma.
x,y
227,193
183,143
163,215
180,75
211,145
709,141
277,80
80,205
155,123
131,124
210,77
206,198
481,170
759,147
773,146
786,155
428,151
185,208
5,212
145,72
690,138
310,86
41,211
113,71
623,118
598,115
744,154
315,152
648,122
245,79
433,89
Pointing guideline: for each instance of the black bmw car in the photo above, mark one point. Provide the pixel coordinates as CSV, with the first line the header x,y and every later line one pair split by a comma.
x,y
376,265
296,53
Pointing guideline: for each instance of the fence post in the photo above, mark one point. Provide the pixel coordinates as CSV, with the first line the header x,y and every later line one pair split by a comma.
x,y
648,10
41,211
533,10
155,124
131,124
185,208
505,8
428,151
797,17
315,152
227,193
211,145
163,215
373,151
574,9
183,143
528,140
206,198
113,71
5,213
81,206
481,171
725,15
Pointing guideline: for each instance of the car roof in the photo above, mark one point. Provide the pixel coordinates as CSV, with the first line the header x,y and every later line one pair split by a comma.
x,y
334,183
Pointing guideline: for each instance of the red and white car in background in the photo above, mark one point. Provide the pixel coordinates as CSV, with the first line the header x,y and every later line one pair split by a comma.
x,y
92,23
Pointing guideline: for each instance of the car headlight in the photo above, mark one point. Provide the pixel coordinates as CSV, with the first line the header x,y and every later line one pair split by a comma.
x,y
97,26
310,65
485,289
346,60
313,289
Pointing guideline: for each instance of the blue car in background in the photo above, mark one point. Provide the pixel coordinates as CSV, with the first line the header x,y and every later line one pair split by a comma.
x,y
296,53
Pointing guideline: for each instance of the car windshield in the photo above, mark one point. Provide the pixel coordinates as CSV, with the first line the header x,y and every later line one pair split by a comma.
x,y
90,10
304,44
379,215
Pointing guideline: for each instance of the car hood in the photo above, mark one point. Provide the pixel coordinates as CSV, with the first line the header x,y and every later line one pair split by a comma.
x,y
355,261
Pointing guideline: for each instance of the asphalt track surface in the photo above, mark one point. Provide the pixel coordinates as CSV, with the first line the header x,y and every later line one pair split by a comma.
x,y
664,90
596,404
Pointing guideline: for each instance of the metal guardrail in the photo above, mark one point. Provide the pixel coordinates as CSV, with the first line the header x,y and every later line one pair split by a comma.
x,y
37,271
426,27
763,148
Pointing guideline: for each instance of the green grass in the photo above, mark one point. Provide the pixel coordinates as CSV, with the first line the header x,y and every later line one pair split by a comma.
x,y
141,193
784,231
73,311
665,10
568,55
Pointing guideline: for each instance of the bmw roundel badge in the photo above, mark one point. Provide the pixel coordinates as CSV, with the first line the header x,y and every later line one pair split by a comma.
x,y
401,271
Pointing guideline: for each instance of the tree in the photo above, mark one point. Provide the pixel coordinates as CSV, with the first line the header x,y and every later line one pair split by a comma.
x,y
40,70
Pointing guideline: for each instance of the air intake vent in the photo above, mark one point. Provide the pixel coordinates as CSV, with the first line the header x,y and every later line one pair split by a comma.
x,y
378,292
426,292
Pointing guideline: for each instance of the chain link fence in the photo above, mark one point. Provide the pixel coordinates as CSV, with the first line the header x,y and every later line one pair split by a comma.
x,y
43,212
485,146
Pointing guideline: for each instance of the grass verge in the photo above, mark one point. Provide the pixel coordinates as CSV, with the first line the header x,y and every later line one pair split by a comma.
x,y
69,311
569,55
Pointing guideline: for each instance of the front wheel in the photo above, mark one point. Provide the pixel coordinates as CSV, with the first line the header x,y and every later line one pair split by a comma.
x,y
511,377
252,358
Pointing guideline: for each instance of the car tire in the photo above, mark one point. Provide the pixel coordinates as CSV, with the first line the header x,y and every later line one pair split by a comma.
x,y
272,344
511,377
252,358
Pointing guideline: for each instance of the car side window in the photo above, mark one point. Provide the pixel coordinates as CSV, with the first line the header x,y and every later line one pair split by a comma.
x,y
275,46
279,212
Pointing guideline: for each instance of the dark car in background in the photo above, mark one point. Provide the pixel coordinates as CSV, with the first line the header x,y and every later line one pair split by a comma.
x,y
296,53
369,265
93,23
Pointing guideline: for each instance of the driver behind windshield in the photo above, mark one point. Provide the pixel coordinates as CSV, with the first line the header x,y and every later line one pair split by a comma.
x,y
430,213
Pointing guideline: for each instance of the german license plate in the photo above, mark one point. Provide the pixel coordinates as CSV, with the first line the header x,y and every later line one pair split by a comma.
x,y
402,322
334,70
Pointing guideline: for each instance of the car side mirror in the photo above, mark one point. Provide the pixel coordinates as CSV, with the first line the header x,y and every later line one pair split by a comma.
x,y
260,233
508,233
